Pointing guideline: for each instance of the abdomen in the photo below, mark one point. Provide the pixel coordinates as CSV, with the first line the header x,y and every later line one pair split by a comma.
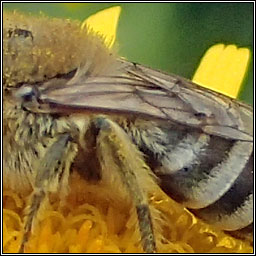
x,y
213,177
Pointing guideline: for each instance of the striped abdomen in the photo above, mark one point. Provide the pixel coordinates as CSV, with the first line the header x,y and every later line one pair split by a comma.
x,y
213,177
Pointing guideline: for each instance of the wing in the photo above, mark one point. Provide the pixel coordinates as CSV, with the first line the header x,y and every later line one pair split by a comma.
x,y
146,93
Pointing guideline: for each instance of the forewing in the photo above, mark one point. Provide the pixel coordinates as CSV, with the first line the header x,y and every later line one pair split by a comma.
x,y
147,93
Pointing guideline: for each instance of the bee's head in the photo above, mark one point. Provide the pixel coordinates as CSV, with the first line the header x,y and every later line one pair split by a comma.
x,y
36,49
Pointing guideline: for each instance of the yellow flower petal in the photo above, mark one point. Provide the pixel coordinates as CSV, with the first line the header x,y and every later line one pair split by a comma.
x,y
75,249
105,23
227,242
84,231
222,69
96,245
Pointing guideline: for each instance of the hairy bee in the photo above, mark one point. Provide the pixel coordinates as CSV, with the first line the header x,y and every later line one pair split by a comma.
x,y
83,107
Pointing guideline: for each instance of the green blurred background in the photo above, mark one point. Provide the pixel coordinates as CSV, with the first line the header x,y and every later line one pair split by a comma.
x,y
168,36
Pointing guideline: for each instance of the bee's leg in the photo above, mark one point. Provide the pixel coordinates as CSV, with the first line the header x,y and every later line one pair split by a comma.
x,y
36,200
115,150
51,173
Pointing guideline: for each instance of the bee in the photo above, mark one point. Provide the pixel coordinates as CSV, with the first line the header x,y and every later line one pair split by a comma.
x,y
70,103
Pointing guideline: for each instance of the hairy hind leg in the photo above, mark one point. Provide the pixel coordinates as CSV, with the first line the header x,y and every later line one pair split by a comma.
x,y
113,147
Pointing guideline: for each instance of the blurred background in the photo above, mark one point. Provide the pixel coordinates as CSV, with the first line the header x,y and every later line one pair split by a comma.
x,y
168,36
